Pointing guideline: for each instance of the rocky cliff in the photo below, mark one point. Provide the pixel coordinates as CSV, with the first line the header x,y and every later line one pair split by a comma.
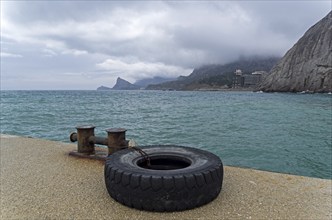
x,y
307,66
122,84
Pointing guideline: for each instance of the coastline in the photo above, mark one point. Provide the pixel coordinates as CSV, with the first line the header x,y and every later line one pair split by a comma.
x,y
227,90
40,180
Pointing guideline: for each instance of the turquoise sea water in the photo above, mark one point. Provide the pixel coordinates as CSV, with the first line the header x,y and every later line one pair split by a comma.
x,y
281,132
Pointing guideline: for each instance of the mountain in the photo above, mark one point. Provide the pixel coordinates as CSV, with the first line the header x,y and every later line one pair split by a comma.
x,y
103,88
150,81
307,66
217,75
122,84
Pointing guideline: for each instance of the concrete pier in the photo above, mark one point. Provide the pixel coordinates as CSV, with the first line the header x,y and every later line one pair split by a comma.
x,y
40,181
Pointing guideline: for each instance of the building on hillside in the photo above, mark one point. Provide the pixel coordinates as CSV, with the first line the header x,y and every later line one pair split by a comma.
x,y
247,80
238,79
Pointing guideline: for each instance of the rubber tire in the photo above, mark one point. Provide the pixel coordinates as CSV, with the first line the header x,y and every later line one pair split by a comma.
x,y
164,190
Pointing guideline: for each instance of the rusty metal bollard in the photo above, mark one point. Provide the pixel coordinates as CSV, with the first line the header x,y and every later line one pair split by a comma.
x,y
84,144
116,139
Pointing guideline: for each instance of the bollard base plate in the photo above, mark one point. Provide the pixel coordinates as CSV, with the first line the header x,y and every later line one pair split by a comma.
x,y
99,154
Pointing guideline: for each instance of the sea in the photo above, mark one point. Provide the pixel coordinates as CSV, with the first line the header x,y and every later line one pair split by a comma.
x,y
280,132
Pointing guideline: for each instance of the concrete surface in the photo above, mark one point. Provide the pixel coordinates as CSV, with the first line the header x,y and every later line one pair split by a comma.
x,y
40,181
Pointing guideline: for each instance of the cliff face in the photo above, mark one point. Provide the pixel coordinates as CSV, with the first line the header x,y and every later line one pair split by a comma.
x,y
122,84
307,65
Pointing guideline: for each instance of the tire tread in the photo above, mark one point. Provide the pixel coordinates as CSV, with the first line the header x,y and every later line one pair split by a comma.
x,y
163,193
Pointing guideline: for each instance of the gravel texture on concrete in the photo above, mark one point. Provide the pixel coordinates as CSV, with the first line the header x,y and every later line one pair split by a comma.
x,y
40,181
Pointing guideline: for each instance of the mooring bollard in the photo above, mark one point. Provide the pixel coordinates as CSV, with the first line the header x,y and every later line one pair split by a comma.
x,y
86,140
84,145
116,139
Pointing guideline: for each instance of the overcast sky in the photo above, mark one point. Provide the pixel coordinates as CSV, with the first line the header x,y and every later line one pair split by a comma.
x,y
85,44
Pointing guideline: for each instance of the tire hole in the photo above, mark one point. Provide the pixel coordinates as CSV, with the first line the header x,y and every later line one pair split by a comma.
x,y
164,162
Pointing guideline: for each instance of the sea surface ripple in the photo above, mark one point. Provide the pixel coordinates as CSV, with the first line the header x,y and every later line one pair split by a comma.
x,y
280,132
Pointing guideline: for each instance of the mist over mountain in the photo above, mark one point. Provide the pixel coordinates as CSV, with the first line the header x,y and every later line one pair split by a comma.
x,y
217,74
150,81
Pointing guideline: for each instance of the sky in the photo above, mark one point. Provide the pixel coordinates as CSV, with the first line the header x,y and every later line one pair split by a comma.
x,y
77,45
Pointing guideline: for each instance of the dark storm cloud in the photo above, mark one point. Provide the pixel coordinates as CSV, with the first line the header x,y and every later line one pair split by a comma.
x,y
93,42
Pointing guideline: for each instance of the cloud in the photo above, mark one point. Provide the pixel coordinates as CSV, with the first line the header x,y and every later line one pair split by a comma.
x,y
136,70
12,55
146,38
49,53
